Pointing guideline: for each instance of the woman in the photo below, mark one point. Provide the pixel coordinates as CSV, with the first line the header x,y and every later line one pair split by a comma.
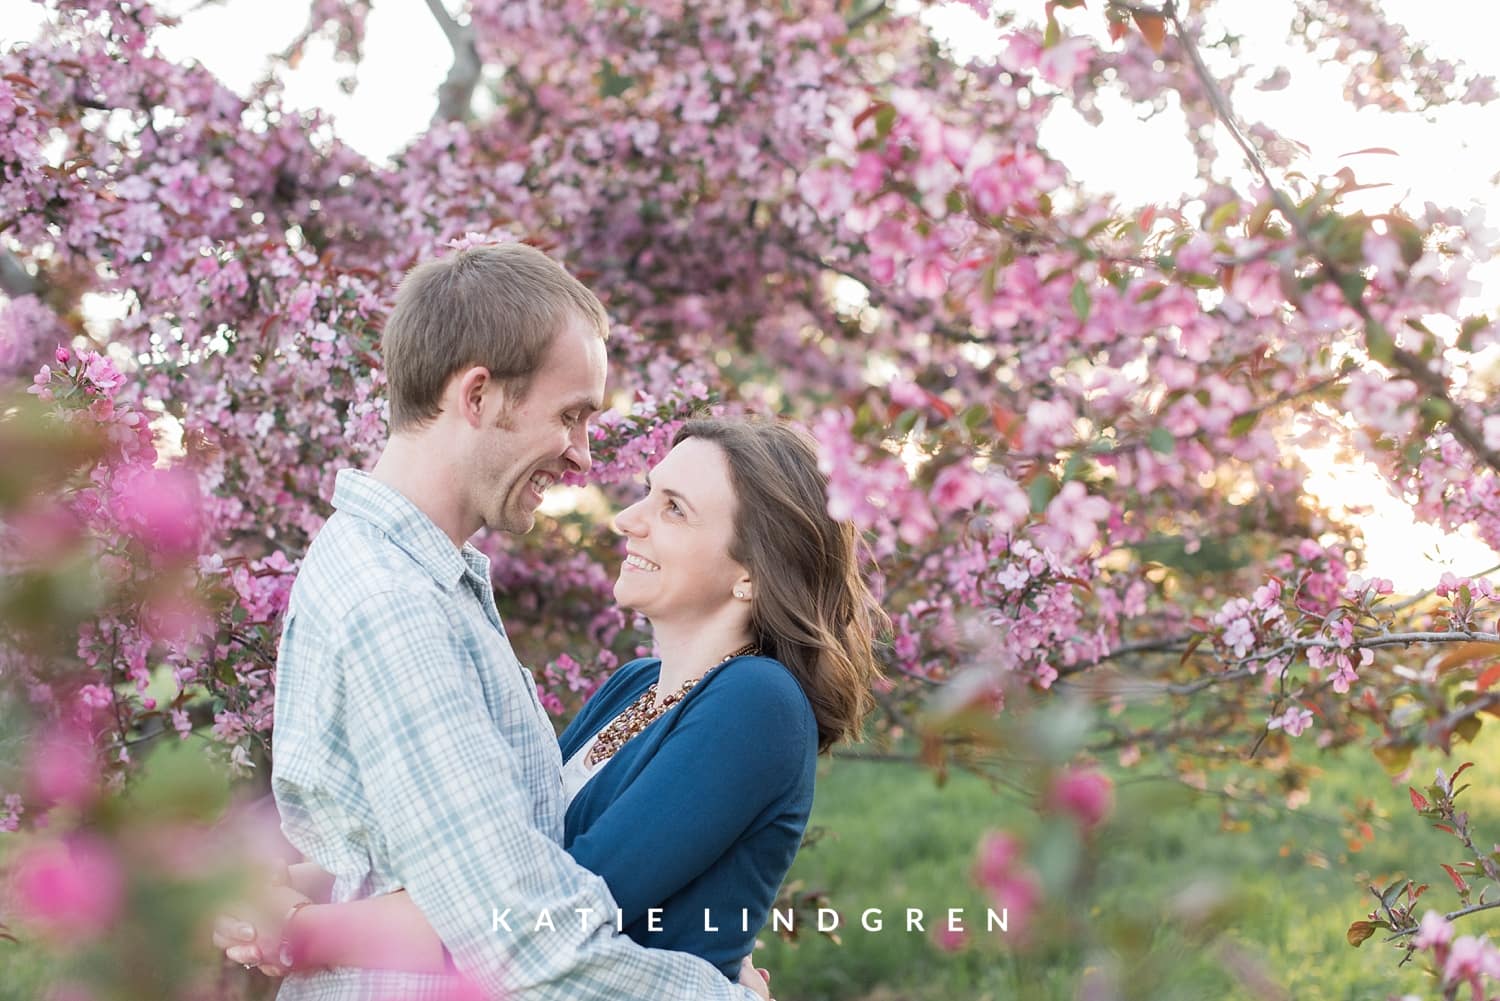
x,y
690,776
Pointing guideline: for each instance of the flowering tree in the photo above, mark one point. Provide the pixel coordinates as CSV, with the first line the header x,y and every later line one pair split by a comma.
x,y
1070,427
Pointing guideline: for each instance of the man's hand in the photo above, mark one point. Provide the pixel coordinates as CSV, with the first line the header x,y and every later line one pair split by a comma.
x,y
251,933
755,979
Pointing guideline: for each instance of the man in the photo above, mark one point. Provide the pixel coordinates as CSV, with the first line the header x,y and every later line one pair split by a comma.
x,y
410,747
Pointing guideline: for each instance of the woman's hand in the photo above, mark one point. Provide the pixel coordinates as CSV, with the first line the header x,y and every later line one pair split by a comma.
x,y
755,979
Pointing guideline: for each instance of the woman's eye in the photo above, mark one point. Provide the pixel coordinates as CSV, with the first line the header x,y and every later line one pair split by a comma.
x,y
672,506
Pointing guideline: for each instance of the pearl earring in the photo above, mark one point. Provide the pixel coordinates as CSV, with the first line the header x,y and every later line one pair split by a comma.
x,y
739,594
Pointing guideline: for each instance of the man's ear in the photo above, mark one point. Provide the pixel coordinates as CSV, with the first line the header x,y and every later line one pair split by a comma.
x,y
468,390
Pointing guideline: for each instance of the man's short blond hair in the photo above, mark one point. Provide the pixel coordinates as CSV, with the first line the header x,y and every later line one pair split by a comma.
x,y
496,306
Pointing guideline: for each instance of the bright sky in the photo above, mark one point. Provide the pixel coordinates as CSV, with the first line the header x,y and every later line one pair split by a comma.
x,y
1450,156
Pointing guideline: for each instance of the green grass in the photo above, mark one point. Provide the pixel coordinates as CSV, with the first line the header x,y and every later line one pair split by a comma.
x,y
898,841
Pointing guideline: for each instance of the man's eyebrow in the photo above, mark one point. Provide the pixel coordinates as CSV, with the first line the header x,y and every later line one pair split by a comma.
x,y
587,404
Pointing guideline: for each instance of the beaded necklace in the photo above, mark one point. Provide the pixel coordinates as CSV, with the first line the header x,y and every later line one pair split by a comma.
x,y
643,712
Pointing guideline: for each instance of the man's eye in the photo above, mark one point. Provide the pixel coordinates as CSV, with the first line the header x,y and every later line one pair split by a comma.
x,y
672,506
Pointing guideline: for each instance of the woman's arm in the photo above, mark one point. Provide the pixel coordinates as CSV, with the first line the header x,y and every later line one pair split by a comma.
x,y
742,744
387,932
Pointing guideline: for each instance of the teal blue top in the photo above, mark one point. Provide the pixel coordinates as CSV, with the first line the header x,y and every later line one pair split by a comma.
x,y
703,810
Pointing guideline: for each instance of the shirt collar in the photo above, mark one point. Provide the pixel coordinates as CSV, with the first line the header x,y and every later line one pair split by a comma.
x,y
360,495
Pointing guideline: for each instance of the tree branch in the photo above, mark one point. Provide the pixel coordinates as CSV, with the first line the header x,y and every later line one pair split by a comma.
x,y
15,280
456,93
1407,361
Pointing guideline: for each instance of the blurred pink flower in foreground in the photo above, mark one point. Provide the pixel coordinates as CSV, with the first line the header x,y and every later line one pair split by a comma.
x,y
69,888
1084,794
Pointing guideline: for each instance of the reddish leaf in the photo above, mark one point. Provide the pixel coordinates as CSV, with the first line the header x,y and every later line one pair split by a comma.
x,y
1371,149
1458,881
1459,771
873,109
1146,218
1003,419
1117,30
1153,29
1489,677
1444,827
1417,799
1358,932
937,403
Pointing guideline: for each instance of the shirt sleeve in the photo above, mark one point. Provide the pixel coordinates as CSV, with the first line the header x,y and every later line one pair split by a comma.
x,y
733,753
456,822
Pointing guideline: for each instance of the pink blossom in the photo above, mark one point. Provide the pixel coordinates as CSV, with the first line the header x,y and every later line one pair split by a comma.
x,y
61,768
162,508
957,489
1471,958
1084,794
1060,63
72,888
949,939
1294,721
1072,518
998,854
41,384
868,175
1435,930
10,813
100,371
96,696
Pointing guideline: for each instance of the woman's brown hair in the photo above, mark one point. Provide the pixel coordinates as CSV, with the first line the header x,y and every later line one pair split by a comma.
x,y
810,608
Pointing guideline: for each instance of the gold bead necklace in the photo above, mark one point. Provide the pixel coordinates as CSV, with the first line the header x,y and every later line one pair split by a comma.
x,y
644,711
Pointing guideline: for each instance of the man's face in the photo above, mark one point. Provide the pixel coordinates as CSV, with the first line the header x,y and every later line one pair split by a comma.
x,y
530,444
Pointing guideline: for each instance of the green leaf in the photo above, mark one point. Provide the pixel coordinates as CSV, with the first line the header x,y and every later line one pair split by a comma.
x,y
1223,215
1075,466
1352,284
1379,343
1468,728
885,118
1080,300
1436,409
973,417
906,422
1241,425
1041,492
1161,441
611,83
1472,325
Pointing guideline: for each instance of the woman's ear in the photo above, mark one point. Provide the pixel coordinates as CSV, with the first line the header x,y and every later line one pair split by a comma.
x,y
743,589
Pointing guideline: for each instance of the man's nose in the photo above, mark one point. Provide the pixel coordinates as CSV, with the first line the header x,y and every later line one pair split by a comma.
x,y
578,452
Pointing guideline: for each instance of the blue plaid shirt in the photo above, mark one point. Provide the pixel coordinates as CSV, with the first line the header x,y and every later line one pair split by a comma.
x,y
411,751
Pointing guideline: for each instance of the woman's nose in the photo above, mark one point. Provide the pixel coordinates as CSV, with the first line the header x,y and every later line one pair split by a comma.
x,y
628,521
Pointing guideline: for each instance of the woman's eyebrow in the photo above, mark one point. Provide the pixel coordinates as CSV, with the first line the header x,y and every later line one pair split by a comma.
x,y
672,494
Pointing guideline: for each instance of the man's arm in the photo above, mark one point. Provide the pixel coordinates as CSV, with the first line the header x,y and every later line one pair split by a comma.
x,y
456,823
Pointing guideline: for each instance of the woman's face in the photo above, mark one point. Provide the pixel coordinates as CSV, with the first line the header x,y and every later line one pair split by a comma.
x,y
678,537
